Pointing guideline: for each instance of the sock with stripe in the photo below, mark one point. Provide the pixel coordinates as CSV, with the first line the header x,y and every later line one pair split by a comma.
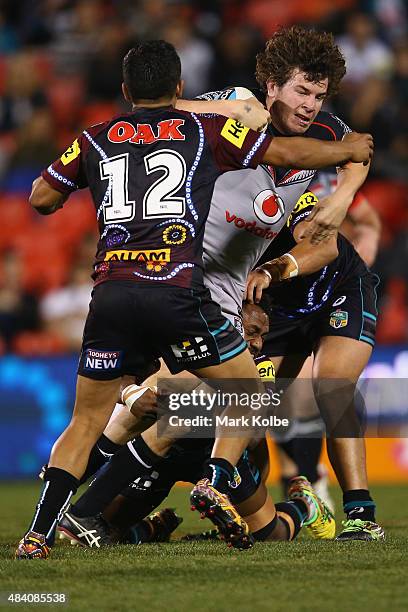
x,y
358,504
59,486
298,512
220,473
262,534
132,461
100,454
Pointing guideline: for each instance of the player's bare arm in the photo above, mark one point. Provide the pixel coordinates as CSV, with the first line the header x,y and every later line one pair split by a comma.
x,y
305,258
366,229
249,112
330,212
44,198
302,153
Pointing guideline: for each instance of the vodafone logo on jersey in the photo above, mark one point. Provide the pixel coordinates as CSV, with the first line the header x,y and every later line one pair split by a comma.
x,y
268,207
249,226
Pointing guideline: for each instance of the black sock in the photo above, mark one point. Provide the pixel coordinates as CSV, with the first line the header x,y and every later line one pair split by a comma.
x,y
262,534
100,454
307,455
358,504
130,462
285,482
58,488
220,473
298,513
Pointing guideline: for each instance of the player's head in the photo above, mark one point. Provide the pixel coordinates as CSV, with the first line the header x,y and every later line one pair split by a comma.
x,y
256,325
297,70
151,72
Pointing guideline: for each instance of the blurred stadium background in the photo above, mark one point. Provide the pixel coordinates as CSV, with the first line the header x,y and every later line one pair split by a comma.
x,y
60,70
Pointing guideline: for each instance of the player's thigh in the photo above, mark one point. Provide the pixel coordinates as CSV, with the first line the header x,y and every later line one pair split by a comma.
x,y
340,357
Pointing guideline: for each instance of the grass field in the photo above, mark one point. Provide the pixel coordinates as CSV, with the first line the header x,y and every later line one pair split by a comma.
x,y
302,575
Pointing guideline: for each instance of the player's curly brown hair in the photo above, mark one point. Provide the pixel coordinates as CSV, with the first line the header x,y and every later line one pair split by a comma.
x,y
314,53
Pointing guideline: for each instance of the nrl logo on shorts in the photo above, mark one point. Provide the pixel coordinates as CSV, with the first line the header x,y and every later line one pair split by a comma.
x,y
190,350
338,319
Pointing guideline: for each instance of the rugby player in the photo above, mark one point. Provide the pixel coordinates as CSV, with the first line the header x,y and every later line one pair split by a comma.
x,y
249,494
139,281
300,455
332,315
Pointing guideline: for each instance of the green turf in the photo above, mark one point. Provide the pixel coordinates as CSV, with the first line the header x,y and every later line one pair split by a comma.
x,y
302,575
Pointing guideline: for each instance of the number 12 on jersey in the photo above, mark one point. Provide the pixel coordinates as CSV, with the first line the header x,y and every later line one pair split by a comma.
x,y
158,201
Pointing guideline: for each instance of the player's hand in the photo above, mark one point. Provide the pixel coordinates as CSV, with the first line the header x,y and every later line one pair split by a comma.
x,y
257,281
362,147
324,220
141,401
252,114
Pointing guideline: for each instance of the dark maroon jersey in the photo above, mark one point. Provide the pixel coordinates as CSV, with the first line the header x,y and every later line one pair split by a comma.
x,y
151,174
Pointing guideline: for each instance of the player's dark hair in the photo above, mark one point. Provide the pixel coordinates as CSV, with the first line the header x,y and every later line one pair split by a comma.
x,y
265,303
314,53
151,70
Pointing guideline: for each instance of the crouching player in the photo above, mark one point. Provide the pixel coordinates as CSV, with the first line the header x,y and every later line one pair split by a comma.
x,y
124,518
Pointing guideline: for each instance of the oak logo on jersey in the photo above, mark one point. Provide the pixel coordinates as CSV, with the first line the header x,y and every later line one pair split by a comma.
x,y
190,350
71,153
154,259
266,370
144,133
338,318
174,234
234,132
269,207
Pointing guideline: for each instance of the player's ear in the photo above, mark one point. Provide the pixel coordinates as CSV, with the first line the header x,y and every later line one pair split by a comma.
x,y
125,92
179,88
271,89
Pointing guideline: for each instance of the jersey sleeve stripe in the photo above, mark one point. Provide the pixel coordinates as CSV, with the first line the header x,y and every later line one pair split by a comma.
x,y
61,178
254,149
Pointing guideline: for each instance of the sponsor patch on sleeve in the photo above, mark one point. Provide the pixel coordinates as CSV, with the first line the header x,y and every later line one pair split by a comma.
x,y
266,370
234,132
95,359
71,153
306,200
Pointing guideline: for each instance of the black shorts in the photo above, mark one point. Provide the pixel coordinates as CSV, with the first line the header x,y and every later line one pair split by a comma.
x,y
130,324
186,465
350,311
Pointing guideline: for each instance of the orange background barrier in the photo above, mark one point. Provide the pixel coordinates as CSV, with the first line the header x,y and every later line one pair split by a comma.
x,y
387,461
